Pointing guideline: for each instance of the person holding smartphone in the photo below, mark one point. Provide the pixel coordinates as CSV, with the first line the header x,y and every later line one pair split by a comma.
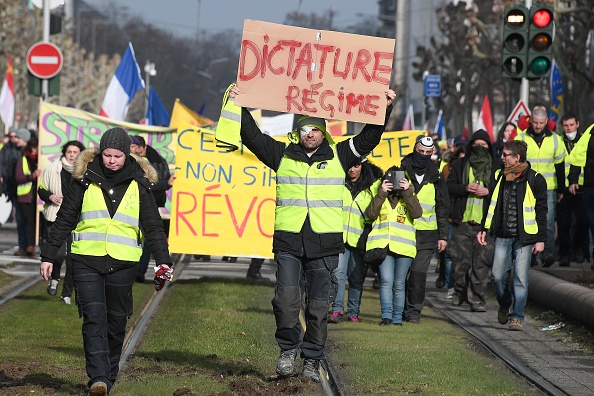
x,y
393,210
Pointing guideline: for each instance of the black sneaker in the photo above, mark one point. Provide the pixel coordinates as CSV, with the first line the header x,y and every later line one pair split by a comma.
x,y
52,287
502,315
285,365
311,370
564,261
385,322
548,261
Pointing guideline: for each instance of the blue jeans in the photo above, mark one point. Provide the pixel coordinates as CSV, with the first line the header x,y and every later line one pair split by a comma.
x,y
351,266
506,251
551,207
105,303
393,272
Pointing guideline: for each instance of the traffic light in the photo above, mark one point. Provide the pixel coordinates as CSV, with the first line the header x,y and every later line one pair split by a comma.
x,y
540,42
515,41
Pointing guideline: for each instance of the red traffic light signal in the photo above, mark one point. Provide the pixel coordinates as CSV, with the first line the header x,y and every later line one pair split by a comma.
x,y
540,42
515,42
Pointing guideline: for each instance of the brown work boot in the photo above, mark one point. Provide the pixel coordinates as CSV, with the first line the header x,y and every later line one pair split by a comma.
x,y
515,325
502,315
98,389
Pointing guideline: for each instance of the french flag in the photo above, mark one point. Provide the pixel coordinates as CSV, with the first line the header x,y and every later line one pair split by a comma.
x,y
122,88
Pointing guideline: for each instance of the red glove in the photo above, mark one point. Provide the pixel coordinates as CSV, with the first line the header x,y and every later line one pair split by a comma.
x,y
162,273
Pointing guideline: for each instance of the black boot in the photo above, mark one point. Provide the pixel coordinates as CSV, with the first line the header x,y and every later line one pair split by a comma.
x,y
254,269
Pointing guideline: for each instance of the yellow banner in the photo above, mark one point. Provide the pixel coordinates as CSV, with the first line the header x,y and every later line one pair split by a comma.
x,y
59,124
223,202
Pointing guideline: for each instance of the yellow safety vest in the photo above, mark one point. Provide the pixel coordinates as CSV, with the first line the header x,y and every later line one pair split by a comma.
x,y
352,213
394,228
528,211
315,190
98,234
426,196
474,203
543,159
25,188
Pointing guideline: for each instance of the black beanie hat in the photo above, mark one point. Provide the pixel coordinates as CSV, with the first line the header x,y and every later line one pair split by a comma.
x,y
116,138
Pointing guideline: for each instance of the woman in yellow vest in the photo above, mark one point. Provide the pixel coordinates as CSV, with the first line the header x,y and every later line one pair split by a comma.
x,y
109,210
392,211
26,175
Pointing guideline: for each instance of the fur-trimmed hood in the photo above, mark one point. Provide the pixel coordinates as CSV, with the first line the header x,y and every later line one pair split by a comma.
x,y
87,156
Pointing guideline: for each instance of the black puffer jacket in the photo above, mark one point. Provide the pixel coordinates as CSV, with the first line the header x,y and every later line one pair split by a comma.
x,y
162,168
87,170
508,218
427,239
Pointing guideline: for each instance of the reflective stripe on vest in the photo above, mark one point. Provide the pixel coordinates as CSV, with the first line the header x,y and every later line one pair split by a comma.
x,y
528,205
394,228
315,190
353,220
98,234
426,196
474,204
25,188
543,159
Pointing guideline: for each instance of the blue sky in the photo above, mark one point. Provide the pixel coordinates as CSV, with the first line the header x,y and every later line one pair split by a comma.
x,y
181,16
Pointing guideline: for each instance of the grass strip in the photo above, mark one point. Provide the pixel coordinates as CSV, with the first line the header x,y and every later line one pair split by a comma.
x,y
434,357
41,349
211,336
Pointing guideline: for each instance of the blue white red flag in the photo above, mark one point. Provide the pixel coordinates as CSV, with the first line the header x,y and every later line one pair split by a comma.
x,y
122,88
409,120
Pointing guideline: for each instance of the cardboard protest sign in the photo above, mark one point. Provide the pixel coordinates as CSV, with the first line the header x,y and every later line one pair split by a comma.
x,y
317,72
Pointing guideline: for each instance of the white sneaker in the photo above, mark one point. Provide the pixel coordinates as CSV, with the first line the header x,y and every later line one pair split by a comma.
x,y
66,300
450,294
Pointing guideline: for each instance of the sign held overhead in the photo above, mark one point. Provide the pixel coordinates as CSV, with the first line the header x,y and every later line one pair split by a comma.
x,y
317,72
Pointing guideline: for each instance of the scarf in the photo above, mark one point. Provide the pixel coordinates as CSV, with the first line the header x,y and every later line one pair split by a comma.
x,y
52,182
513,172
481,163
67,166
420,162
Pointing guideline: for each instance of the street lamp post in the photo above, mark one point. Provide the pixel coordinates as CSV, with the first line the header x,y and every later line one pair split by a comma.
x,y
149,70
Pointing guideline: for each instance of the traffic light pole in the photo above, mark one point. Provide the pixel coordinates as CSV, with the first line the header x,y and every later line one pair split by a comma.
x,y
524,88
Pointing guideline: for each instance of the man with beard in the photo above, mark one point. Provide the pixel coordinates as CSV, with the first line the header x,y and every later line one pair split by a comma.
x,y
546,154
431,227
469,183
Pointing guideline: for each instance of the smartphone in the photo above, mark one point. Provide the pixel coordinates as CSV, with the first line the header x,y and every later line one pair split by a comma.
x,y
394,176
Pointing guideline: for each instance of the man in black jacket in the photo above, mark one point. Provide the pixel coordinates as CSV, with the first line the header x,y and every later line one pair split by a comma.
x,y
572,226
159,190
517,218
432,226
307,239
470,182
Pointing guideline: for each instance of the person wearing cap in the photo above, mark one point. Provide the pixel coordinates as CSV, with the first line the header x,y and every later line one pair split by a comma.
x,y
546,154
26,175
470,182
10,154
360,185
109,211
310,172
159,190
431,228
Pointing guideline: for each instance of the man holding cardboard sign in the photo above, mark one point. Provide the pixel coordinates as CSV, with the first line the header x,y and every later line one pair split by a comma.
x,y
310,172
